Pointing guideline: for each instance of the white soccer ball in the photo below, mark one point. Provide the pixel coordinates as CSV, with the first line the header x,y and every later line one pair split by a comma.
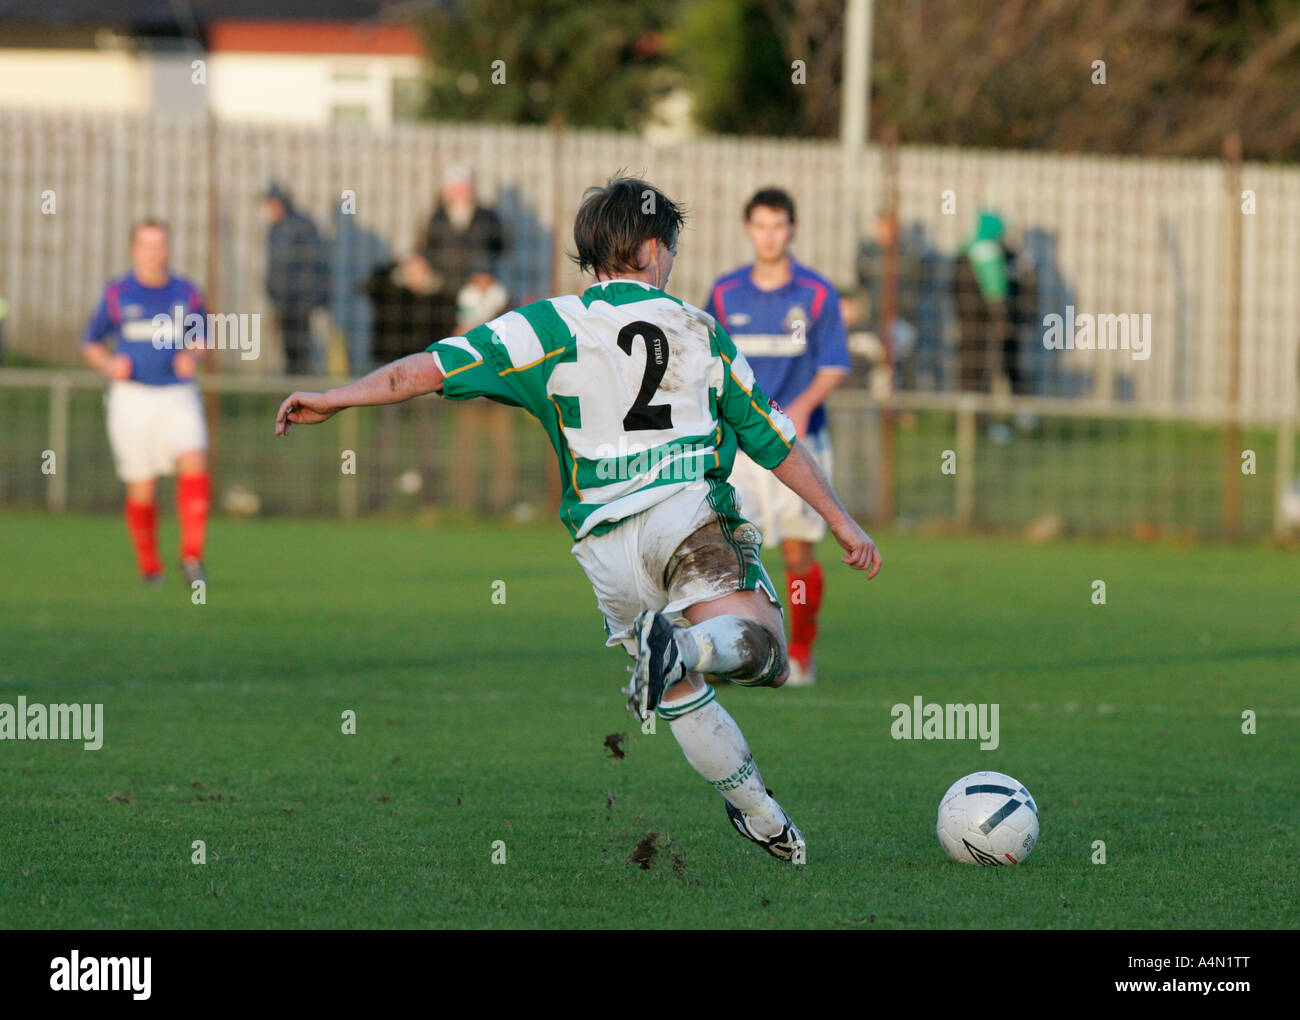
x,y
988,818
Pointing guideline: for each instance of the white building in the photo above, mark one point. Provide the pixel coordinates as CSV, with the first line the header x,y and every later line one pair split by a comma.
x,y
326,63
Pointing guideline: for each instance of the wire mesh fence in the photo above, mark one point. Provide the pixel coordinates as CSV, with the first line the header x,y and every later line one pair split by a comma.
x,y
1027,466
1100,344
1199,256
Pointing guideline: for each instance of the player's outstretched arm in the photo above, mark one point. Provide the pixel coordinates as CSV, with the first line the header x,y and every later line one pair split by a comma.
x,y
800,472
412,376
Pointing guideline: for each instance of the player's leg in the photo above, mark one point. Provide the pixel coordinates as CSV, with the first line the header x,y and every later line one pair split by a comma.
x,y
734,630
739,636
142,525
129,437
187,435
193,500
801,528
803,578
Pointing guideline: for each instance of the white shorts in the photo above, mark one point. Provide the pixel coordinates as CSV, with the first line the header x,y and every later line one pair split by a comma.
x,y
693,547
766,501
150,426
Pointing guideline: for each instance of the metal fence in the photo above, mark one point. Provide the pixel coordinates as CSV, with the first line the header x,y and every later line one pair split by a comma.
x,y
1056,441
1038,467
1210,253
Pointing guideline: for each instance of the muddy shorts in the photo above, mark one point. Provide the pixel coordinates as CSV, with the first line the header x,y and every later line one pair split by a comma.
x,y
693,547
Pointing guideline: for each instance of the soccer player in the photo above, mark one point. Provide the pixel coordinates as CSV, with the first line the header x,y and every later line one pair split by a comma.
x,y
645,400
785,319
155,416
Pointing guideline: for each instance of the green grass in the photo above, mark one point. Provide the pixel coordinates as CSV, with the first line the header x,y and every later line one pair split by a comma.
x,y
479,722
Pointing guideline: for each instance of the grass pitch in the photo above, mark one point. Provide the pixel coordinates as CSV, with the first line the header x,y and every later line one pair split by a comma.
x,y
483,726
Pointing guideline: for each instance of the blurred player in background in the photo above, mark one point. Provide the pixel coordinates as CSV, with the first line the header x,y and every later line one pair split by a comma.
x,y
785,319
155,416
645,400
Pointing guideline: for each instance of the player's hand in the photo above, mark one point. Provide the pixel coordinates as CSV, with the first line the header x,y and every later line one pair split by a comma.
x,y
302,409
185,364
119,367
860,551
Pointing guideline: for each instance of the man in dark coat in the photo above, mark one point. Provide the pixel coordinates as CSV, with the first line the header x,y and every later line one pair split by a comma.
x,y
461,236
297,276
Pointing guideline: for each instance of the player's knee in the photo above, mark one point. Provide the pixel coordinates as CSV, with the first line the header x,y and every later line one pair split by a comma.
x,y
766,657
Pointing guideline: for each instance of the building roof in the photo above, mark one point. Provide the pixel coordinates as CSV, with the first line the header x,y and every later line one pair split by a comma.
x,y
305,26
312,37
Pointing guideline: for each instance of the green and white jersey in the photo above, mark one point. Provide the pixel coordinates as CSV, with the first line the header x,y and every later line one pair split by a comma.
x,y
641,395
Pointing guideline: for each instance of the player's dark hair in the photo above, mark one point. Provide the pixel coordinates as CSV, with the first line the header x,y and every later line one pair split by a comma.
x,y
147,223
771,198
615,220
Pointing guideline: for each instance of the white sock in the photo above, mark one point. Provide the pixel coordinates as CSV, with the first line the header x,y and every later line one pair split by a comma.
x,y
732,646
717,750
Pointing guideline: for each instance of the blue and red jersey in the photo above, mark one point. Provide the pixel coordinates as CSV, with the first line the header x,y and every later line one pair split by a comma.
x,y
127,311
787,334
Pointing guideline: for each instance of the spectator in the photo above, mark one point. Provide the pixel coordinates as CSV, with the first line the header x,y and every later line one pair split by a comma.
x,y
993,290
918,316
297,276
461,235
480,300
409,305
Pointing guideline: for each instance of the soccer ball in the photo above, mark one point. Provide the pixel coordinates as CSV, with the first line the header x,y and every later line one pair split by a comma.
x,y
988,818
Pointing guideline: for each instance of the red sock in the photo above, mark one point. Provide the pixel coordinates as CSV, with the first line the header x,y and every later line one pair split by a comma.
x,y
192,508
142,525
805,598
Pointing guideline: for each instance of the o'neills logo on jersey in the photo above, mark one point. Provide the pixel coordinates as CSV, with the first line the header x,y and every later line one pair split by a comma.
x,y
191,331
624,461
77,973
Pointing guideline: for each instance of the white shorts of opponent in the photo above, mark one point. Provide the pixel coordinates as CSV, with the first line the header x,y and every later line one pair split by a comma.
x,y
766,501
693,547
150,426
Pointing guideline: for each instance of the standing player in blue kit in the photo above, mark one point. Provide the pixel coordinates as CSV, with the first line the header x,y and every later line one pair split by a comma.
x,y
785,319
155,416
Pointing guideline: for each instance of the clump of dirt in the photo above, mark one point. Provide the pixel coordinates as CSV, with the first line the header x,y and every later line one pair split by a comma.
x,y
679,870
609,805
646,851
614,742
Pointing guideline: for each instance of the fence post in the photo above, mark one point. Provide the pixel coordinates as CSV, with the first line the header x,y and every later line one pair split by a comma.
x,y
349,436
1232,339
965,462
1285,471
56,492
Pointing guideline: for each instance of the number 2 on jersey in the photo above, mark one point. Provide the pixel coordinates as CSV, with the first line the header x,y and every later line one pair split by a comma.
x,y
643,415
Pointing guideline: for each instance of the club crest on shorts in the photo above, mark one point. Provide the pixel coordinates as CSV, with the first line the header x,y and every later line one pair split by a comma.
x,y
749,534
